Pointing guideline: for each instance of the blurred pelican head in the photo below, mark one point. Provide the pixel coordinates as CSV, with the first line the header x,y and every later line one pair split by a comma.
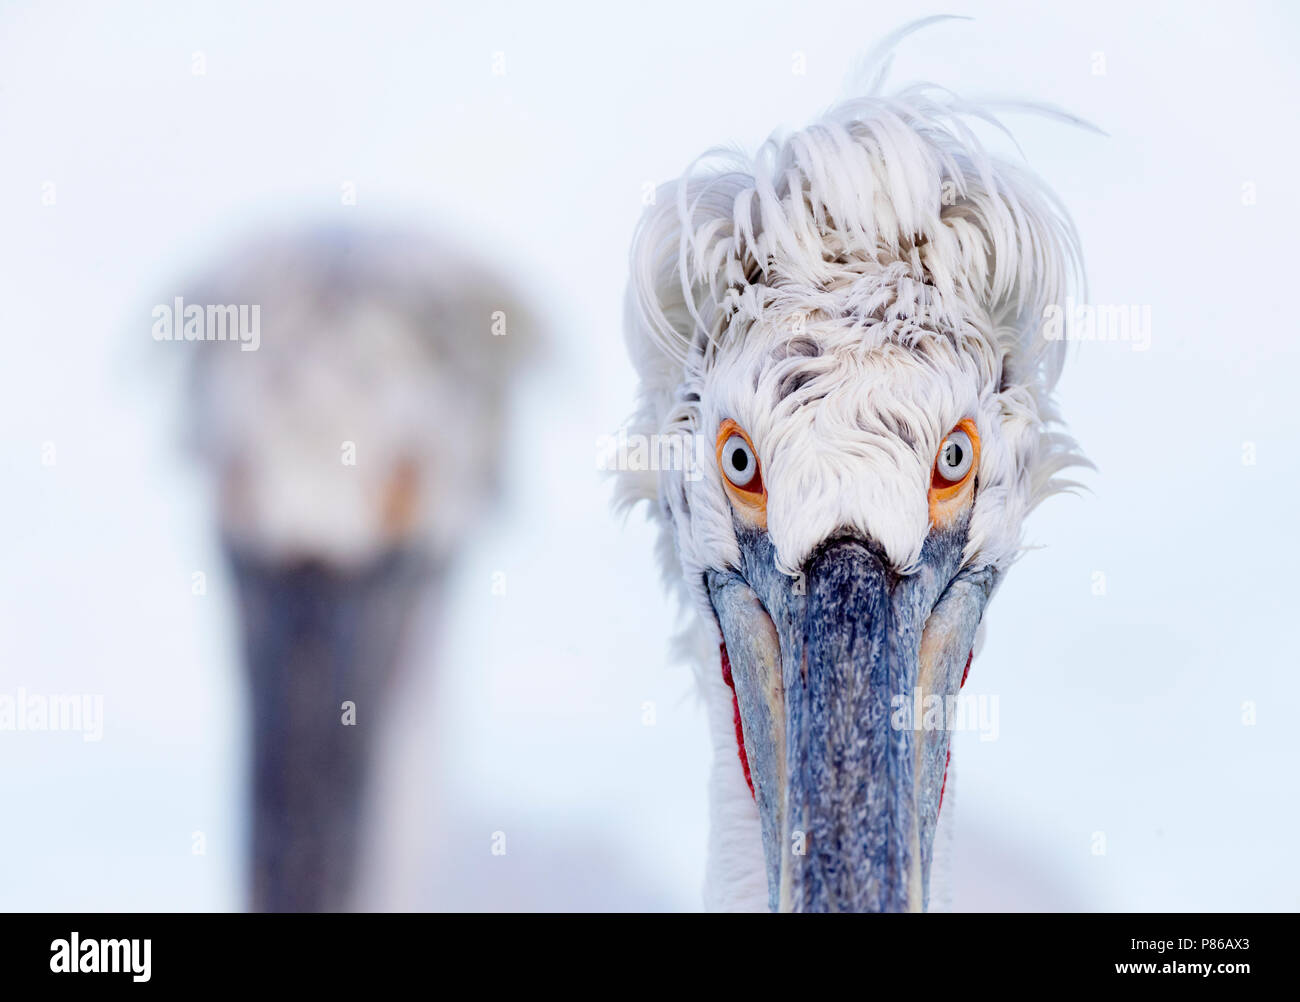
x,y
370,414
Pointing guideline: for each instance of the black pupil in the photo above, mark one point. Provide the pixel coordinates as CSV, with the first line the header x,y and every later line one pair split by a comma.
x,y
952,454
739,460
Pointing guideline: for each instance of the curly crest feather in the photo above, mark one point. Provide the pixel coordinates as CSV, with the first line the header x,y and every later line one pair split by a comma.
x,y
887,220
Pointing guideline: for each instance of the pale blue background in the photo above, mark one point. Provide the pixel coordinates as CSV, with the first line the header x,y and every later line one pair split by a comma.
x,y
1120,714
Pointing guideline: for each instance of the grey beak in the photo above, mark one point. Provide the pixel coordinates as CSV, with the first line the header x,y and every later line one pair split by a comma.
x,y
851,782
847,787
316,638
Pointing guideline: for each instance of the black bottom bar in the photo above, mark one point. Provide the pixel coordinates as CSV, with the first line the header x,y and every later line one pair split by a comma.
x,y
992,952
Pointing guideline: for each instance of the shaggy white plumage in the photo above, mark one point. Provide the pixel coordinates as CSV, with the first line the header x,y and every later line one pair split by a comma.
x,y
846,295
377,360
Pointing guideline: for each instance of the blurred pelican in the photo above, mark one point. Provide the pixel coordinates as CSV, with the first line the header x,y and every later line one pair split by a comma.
x,y
350,452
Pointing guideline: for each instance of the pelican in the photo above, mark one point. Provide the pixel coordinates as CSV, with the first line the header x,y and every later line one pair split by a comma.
x,y
846,329
341,496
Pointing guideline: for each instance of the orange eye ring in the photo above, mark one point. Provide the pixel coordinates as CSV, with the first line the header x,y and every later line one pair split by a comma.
x,y
949,495
742,476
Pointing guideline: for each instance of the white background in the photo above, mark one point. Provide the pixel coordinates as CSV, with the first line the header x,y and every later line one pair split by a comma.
x,y
1119,714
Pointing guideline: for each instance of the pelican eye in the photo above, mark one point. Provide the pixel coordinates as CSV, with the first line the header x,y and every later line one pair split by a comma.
x,y
738,462
952,480
742,475
956,456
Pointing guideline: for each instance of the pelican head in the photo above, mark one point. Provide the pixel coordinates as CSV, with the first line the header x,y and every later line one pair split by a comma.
x,y
340,495
847,328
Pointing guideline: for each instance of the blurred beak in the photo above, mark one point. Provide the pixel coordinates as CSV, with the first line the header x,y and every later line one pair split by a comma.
x,y
827,670
321,646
